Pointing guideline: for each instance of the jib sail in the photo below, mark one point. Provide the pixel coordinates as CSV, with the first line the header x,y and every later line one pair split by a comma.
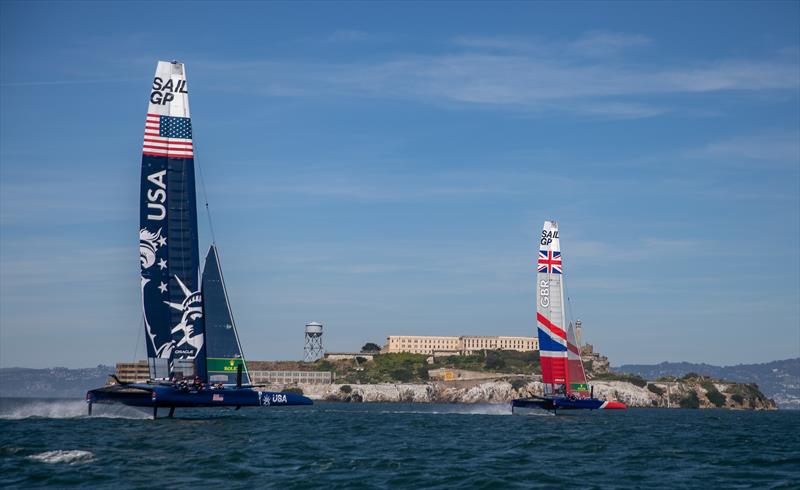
x,y
168,249
576,376
222,342
550,310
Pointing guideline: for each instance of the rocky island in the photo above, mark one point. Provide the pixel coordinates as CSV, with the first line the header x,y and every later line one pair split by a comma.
x,y
485,377
682,393
500,376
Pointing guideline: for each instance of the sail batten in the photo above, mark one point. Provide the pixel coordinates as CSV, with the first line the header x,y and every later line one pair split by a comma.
x,y
168,235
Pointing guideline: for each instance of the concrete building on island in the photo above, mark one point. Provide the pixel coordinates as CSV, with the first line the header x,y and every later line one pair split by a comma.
x,y
133,372
461,345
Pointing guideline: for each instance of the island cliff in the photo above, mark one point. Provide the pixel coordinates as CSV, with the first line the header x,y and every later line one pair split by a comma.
x,y
674,394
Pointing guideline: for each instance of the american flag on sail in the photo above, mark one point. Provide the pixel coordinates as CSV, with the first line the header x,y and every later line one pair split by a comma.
x,y
549,261
168,136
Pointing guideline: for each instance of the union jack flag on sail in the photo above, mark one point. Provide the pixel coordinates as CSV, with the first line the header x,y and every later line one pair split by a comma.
x,y
549,262
168,136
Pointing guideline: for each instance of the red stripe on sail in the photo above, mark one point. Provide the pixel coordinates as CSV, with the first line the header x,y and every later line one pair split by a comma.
x,y
168,148
551,326
573,348
167,142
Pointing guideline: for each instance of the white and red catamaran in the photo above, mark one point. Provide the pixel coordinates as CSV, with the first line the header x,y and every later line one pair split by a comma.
x,y
564,378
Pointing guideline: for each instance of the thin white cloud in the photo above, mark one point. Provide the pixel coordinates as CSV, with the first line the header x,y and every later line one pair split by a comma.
x,y
781,147
593,43
643,249
379,186
35,83
603,43
520,74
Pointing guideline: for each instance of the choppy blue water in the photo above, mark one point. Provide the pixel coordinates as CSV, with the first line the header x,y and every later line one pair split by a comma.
x,y
332,445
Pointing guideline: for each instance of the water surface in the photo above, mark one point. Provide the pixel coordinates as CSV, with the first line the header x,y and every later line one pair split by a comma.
x,y
51,443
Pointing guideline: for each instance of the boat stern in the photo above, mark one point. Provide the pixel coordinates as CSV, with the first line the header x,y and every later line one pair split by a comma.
x,y
611,405
270,399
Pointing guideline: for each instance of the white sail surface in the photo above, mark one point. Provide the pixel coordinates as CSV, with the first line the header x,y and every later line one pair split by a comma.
x,y
550,313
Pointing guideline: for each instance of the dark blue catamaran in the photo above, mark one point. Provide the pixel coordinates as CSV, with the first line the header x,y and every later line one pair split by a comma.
x,y
193,350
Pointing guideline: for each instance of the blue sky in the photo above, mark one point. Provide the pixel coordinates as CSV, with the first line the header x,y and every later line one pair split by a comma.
x,y
384,168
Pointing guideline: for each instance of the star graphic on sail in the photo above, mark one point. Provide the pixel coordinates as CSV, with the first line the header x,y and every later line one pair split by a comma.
x,y
162,287
192,311
162,241
162,264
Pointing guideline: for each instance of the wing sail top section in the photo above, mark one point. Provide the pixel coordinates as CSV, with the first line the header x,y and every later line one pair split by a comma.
x,y
223,348
168,248
550,308
168,127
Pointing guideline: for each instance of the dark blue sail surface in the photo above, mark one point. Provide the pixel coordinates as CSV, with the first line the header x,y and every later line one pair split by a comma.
x,y
223,350
168,241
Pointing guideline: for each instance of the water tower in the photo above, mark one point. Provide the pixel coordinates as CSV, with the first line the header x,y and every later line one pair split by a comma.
x,y
313,345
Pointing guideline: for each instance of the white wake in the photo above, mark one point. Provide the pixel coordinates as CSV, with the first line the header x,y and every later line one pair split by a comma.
x,y
65,409
68,457
479,409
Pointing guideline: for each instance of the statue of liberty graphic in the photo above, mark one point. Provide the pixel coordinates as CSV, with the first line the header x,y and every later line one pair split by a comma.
x,y
189,328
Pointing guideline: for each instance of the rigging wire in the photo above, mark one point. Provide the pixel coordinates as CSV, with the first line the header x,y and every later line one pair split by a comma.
x,y
138,338
205,195
570,316
216,247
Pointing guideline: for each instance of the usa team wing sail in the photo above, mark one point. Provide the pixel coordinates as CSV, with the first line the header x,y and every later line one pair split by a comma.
x,y
550,310
168,242
223,348
176,311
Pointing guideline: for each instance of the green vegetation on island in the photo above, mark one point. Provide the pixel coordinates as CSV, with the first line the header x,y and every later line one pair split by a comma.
x,y
691,400
627,378
414,368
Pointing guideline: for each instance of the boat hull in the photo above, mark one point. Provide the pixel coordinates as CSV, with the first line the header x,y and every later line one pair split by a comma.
x,y
538,405
154,396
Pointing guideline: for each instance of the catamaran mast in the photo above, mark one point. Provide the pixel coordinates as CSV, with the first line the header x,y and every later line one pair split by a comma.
x,y
550,310
168,236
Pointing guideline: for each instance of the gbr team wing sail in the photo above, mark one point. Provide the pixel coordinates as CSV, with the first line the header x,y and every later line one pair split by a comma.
x,y
560,355
550,310
563,376
168,242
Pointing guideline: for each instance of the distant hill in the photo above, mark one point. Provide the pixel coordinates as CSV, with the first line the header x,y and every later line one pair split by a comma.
x,y
57,382
779,380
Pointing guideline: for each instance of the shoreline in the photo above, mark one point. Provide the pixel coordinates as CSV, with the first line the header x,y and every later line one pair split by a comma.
x,y
673,394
